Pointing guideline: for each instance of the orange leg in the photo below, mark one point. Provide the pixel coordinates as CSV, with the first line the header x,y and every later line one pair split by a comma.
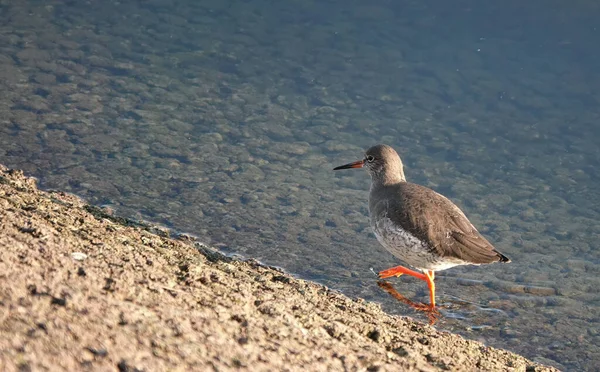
x,y
399,270
428,276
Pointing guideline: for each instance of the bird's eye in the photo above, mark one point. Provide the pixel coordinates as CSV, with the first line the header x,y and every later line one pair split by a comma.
x,y
370,158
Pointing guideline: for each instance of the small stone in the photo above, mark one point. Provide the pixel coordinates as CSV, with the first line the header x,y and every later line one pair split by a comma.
x,y
78,256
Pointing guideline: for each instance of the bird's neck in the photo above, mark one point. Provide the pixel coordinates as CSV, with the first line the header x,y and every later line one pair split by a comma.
x,y
388,178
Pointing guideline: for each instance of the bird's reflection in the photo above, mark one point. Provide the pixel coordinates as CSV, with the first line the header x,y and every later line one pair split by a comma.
x,y
432,313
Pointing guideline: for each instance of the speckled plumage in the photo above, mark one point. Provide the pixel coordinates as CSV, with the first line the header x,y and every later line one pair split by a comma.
x,y
425,229
408,248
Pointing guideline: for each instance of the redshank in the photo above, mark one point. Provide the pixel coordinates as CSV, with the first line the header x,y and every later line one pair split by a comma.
x,y
417,225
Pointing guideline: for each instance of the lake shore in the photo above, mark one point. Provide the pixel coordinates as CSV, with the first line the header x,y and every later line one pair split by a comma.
x,y
81,289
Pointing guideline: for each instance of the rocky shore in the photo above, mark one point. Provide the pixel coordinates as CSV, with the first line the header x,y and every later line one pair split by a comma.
x,y
81,289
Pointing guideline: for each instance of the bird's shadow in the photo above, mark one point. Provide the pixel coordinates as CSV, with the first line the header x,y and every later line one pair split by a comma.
x,y
432,313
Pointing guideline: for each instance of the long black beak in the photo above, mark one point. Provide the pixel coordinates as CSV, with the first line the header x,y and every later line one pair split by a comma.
x,y
356,164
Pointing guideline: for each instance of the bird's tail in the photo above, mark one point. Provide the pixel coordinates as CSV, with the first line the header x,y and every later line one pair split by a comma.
x,y
503,258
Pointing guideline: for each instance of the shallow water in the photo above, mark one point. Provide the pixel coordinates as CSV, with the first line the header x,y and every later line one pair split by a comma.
x,y
224,119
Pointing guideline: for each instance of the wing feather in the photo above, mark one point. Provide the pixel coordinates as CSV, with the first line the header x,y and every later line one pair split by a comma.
x,y
434,218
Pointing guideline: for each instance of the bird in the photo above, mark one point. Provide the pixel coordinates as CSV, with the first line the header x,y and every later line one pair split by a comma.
x,y
417,225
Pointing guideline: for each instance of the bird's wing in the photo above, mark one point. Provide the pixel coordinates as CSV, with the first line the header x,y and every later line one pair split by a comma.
x,y
434,218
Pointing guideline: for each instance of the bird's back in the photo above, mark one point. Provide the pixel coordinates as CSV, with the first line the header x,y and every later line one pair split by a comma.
x,y
417,224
